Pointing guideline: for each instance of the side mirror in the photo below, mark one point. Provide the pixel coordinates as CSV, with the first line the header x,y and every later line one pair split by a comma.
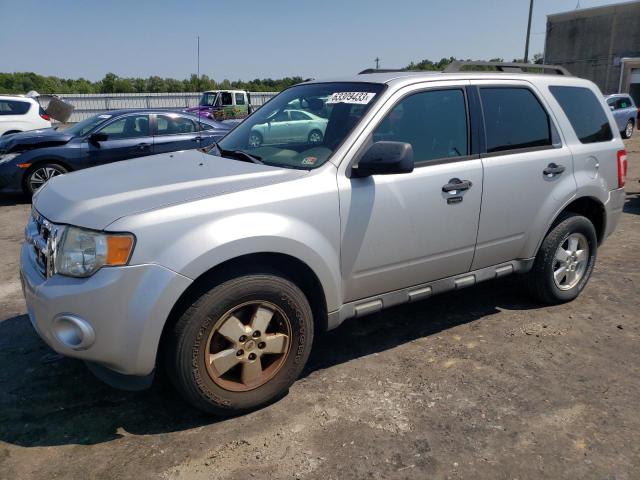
x,y
96,138
385,158
612,108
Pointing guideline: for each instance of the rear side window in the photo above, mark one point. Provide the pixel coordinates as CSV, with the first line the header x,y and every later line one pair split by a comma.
x,y
585,113
514,119
433,122
13,107
239,99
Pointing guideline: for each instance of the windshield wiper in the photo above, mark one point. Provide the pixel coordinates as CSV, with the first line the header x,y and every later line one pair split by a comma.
x,y
241,155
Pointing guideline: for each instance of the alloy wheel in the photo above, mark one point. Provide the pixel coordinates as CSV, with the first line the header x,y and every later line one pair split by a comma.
x,y
248,346
629,130
315,137
254,141
42,175
570,261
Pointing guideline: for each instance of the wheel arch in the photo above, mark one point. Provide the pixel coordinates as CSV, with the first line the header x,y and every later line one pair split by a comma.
x,y
286,265
589,207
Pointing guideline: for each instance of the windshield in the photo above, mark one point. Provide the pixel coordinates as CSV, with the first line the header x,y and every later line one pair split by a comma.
x,y
302,126
86,125
208,99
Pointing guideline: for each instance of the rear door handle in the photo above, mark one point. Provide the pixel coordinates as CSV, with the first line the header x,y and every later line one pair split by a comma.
x,y
196,139
553,169
456,185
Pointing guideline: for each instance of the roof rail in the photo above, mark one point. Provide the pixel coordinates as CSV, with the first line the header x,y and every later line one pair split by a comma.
x,y
381,70
458,65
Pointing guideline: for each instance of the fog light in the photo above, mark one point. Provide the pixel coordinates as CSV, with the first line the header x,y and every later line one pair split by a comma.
x,y
73,331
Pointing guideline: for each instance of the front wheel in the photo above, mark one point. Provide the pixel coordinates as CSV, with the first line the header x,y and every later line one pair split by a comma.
x,y
40,174
315,136
255,140
628,130
241,345
565,260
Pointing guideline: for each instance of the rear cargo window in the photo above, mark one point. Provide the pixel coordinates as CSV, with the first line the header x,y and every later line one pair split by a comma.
x,y
585,113
14,107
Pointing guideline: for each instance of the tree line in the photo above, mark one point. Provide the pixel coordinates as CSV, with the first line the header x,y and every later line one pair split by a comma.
x,y
22,82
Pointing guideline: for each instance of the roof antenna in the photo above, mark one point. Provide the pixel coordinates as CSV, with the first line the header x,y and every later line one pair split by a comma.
x,y
377,60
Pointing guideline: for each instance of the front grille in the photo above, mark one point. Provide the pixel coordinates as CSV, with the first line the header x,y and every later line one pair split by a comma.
x,y
41,235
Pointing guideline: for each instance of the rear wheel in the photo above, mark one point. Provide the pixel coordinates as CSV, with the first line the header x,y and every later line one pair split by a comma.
x,y
315,136
565,260
255,140
39,174
240,345
628,130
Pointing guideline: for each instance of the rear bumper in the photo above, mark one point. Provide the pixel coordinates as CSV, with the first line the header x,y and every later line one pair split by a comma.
x,y
613,208
123,309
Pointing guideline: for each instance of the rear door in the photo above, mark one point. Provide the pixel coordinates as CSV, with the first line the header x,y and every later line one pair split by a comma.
x,y
173,132
127,137
528,171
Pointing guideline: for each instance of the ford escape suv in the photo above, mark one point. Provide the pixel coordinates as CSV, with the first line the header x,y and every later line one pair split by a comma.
x,y
221,266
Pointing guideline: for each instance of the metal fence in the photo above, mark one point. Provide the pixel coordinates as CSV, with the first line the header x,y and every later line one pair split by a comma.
x,y
90,104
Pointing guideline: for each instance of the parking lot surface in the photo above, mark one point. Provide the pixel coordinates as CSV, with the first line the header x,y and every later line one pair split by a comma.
x,y
481,383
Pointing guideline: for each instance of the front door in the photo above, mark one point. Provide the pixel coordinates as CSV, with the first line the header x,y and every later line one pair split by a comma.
x,y
127,137
403,230
528,172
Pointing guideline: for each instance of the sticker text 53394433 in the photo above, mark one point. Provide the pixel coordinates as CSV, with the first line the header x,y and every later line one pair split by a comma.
x,y
360,98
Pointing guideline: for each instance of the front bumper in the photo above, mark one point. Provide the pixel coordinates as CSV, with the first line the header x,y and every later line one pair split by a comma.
x,y
126,307
10,177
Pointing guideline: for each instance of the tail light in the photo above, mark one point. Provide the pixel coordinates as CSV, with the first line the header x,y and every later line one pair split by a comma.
x,y
45,116
622,168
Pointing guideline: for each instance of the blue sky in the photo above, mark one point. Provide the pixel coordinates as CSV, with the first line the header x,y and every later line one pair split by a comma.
x,y
252,38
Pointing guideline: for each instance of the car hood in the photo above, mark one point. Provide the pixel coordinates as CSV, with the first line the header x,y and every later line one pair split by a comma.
x,y
46,137
95,197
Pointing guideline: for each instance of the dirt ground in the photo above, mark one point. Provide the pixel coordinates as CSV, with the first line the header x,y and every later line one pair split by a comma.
x,y
479,384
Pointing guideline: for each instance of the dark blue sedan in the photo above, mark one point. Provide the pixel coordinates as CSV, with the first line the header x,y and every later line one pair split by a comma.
x,y
29,159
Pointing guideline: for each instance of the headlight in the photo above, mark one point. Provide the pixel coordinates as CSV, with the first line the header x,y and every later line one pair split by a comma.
x,y
7,157
80,252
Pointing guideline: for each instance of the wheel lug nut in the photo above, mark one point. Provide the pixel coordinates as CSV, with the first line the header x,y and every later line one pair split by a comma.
x,y
262,345
256,334
252,356
239,353
243,338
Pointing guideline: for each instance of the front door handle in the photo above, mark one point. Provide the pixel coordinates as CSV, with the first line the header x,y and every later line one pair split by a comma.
x,y
553,169
144,146
196,139
456,185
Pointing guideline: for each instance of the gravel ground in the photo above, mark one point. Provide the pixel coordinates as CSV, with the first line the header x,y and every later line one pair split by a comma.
x,y
479,384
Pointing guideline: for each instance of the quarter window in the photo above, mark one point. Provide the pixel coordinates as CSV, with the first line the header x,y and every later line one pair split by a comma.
x,y
433,122
514,119
127,127
585,113
13,107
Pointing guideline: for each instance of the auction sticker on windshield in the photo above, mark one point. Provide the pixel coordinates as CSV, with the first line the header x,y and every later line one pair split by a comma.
x,y
359,98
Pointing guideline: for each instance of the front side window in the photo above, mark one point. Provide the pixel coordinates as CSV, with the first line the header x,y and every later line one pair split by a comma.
x,y
433,122
585,113
514,119
226,98
276,135
127,127
239,98
14,107
174,125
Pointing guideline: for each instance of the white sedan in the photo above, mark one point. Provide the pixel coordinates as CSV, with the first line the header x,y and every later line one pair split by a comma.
x,y
289,126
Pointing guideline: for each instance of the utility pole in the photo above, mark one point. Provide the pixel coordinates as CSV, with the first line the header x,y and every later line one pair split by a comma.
x,y
377,60
198,37
526,45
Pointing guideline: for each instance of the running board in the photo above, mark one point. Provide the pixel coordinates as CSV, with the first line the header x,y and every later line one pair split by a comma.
x,y
374,304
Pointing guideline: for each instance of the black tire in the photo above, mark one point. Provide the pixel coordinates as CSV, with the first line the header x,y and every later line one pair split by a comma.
x,y
628,130
258,141
188,344
540,280
28,184
315,134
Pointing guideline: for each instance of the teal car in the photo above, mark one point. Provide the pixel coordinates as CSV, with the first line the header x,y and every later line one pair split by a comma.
x,y
289,126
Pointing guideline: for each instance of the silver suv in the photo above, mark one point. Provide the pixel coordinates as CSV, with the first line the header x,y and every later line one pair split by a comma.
x,y
221,266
